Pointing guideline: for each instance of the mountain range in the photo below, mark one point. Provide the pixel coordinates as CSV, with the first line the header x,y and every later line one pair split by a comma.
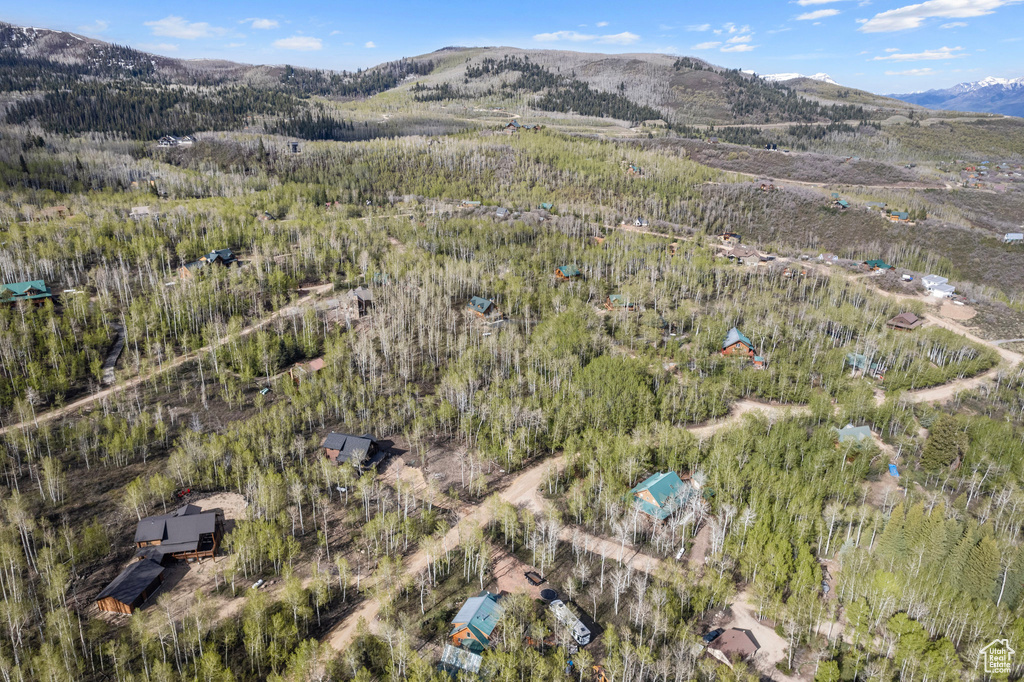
x,y
627,87
989,95
783,77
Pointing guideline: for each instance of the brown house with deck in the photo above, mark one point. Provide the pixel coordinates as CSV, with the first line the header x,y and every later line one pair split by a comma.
x,y
905,322
186,533
342,447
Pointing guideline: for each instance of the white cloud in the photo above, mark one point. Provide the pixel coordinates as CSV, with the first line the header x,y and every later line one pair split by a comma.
x,y
177,27
601,24
555,36
818,14
299,43
911,72
912,16
741,47
954,24
707,46
731,28
740,39
335,32
804,3
98,26
892,49
698,27
779,30
370,44
235,45
927,55
264,24
624,38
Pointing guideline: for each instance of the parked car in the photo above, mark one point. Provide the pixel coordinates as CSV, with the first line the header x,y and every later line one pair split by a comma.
x,y
712,636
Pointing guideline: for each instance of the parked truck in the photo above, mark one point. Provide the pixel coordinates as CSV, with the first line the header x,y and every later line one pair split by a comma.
x,y
580,632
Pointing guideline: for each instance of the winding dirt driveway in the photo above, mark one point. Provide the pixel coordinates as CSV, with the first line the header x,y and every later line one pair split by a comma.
x,y
177,362
524,491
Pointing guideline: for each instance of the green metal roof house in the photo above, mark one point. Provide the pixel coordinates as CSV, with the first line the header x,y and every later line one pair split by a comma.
x,y
546,206
618,301
736,336
567,272
32,290
475,621
860,362
877,265
480,306
220,256
661,494
853,434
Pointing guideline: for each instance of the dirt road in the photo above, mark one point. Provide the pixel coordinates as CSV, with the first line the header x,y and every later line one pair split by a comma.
x,y
177,362
522,491
742,407
950,389
773,648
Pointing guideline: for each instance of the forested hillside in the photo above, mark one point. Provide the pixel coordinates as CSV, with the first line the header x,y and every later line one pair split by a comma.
x,y
522,326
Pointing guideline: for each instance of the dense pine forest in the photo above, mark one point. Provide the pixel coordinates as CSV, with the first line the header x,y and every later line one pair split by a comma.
x,y
511,438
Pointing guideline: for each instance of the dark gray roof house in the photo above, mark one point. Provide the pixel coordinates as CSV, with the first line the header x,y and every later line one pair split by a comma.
x,y
131,588
186,533
501,212
361,299
343,447
481,306
220,257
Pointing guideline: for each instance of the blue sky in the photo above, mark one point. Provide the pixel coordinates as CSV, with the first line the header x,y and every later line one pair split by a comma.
x,y
877,45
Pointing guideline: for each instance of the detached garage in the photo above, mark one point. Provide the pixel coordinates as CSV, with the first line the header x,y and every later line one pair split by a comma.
x,y
132,588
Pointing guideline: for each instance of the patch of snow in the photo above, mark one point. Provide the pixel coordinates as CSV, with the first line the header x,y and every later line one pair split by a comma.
x,y
780,77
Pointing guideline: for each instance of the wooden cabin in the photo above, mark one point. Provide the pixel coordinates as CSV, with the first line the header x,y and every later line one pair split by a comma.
x,y
567,272
130,590
187,534
343,447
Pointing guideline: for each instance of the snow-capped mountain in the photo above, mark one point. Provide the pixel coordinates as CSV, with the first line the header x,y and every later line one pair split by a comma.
x,y
780,77
988,82
990,95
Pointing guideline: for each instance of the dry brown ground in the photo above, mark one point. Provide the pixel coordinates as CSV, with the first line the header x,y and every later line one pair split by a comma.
x,y
509,572
960,313
699,549
883,492
773,648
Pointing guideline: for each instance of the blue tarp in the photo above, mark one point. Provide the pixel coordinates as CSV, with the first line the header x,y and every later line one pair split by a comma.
x,y
893,472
